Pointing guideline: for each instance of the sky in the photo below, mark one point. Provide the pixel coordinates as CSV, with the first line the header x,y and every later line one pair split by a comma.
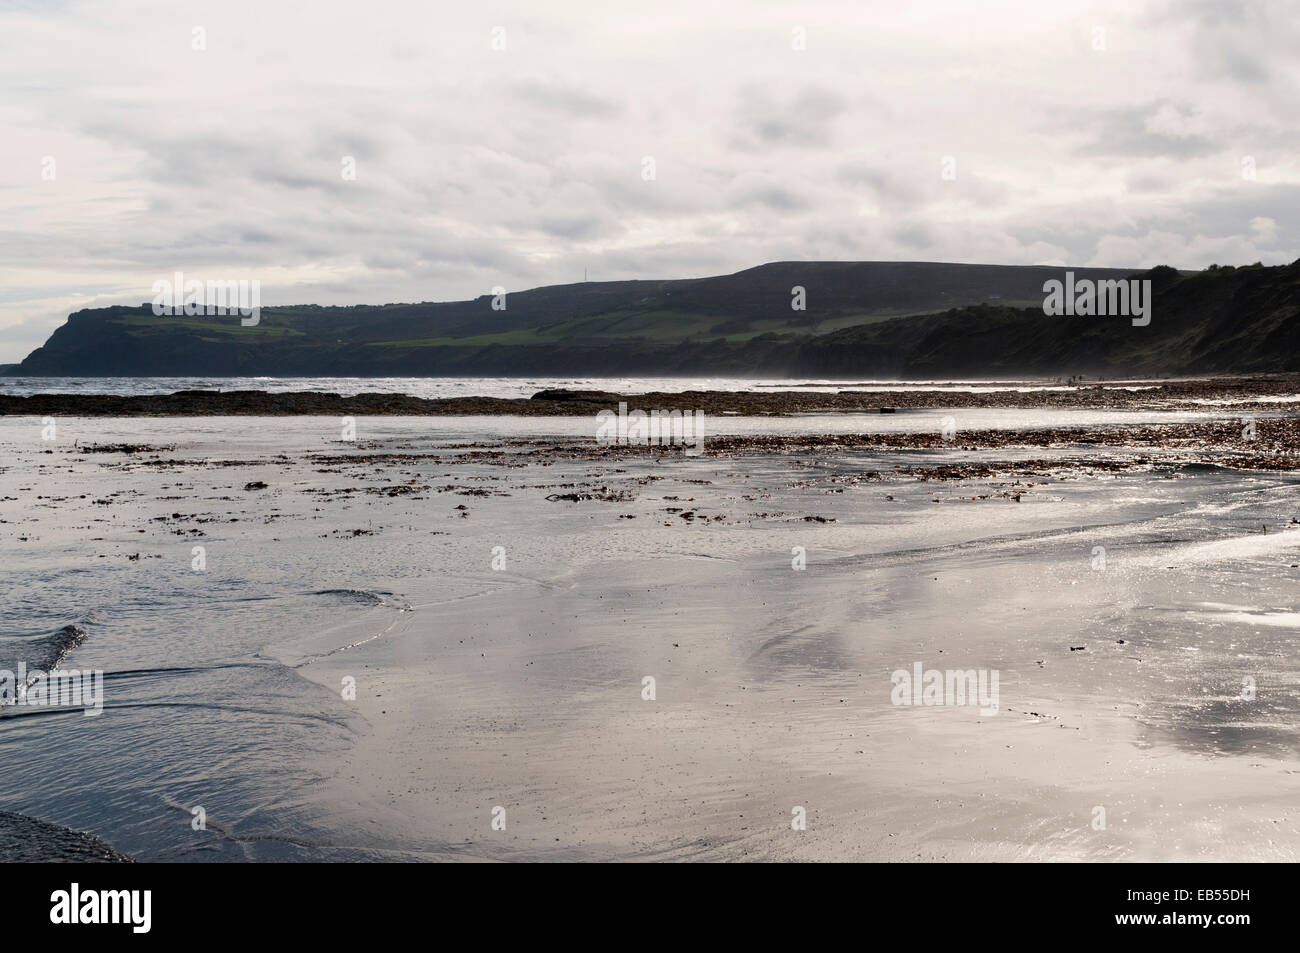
x,y
345,152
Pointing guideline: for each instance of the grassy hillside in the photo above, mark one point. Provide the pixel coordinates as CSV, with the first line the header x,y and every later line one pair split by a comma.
x,y
910,319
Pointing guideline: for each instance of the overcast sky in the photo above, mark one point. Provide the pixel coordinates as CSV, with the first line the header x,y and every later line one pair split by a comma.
x,y
1119,134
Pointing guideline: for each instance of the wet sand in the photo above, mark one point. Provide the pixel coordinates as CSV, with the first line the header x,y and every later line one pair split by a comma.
x,y
1119,687
521,687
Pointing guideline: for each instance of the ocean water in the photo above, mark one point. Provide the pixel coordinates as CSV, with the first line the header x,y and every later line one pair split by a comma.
x,y
505,387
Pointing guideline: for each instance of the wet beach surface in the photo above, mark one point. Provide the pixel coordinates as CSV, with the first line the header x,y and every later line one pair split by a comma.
x,y
497,595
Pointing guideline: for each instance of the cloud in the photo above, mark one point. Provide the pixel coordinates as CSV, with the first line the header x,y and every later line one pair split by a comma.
x,y
1159,129
767,118
1263,231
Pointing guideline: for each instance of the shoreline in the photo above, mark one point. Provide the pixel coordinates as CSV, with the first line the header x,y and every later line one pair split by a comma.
x,y
1261,392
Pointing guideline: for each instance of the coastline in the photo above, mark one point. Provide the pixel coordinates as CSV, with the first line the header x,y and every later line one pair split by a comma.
x,y
1244,393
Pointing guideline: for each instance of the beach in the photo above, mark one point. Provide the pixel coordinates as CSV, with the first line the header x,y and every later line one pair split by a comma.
x,y
433,642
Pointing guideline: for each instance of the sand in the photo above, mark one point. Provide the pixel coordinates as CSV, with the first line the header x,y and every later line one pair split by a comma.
x,y
773,685
1120,688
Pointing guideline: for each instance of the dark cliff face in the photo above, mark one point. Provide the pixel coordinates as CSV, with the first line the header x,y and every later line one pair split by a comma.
x,y
895,319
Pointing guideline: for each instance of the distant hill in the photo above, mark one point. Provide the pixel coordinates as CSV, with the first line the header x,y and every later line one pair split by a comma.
x,y
896,319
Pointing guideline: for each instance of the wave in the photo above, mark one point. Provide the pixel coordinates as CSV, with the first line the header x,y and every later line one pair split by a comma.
x,y
59,646
369,597
353,595
42,654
